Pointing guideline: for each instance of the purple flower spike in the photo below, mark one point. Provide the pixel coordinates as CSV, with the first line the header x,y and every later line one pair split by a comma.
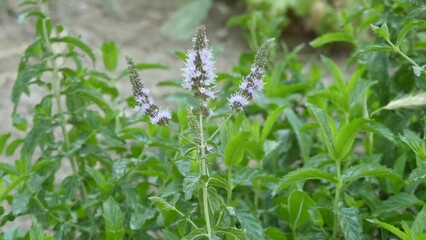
x,y
145,104
252,84
238,102
162,117
199,76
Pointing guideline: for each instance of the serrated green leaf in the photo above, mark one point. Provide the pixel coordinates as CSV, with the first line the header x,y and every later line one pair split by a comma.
x,y
20,202
76,43
408,27
114,219
416,175
25,75
304,141
336,73
350,223
331,38
390,228
186,18
33,139
110,55
36,232
218,181
162,203
373,48
382,31
380,129
140,215
327,126
398,201
269,123
9,169
415,143
419,223
302,174
216,201
231,233
251,225
13,184
234,150
91,95
196,234
298,205
369,170
189,183
275,234
346,136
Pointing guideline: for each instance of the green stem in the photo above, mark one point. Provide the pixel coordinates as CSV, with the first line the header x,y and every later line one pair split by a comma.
x,y
204,171
402,54
179,134
220,126
56,91
187,218
230,186
339,185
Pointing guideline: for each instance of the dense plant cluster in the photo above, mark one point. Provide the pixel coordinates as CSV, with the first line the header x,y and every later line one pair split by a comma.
x,y
265,151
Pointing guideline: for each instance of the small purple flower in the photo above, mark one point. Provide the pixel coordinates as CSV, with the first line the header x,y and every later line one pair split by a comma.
x,y
145,104
252,84
199,76
238,102
161,117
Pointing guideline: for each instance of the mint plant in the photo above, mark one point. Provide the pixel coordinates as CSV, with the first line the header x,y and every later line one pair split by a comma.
x,y
199,78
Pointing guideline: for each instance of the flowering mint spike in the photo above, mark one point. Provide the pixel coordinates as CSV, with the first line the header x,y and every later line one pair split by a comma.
x,y
199,76
252,84
145,104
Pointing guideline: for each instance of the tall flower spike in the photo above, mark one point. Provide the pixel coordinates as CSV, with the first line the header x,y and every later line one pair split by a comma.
x,y
145,104
252,84
199,76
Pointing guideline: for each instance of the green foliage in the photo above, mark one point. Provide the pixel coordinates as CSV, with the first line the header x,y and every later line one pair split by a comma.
x,y
309,159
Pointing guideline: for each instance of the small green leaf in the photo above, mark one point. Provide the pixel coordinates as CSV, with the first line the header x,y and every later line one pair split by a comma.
x,y
398,201
416,175
234,150
302,174
408,27
114,219
251,225
298,205
304,141
76,43
20,202
139,216
336,73
327,126
215,200
189,183
3,141
419,223
269,123
346,136
162,203
373,48
390,228
218,181
350,223
110,55
231,232
331,38
275,234
9,169
25,75
382,31
36,232
196,234
33,138
369,170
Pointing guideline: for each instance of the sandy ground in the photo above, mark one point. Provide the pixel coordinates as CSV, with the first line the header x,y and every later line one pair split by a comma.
x,y
137,34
